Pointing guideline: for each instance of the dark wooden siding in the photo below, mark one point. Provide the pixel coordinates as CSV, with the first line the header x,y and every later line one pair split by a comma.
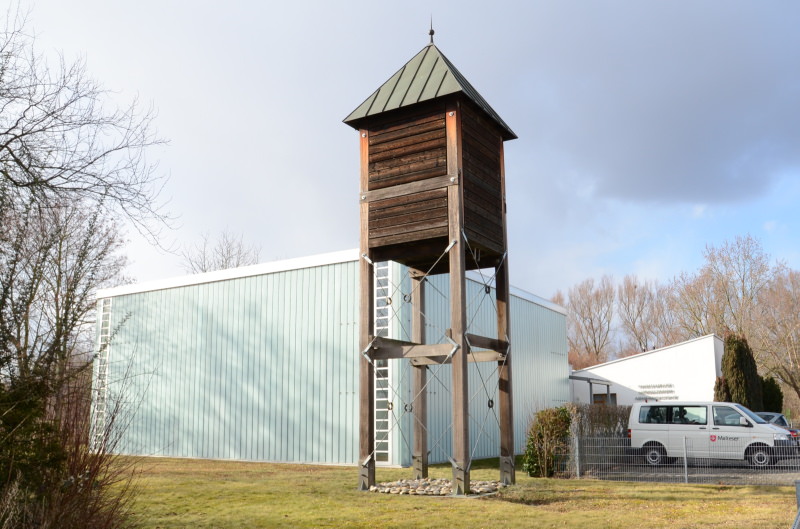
x,y
407,218
407,152
483,200
407,179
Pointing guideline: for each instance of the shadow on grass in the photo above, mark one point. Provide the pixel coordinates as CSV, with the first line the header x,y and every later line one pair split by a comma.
x,y
492,463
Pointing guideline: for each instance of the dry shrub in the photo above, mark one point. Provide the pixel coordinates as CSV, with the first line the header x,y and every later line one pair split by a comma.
x,y
74,486
596,420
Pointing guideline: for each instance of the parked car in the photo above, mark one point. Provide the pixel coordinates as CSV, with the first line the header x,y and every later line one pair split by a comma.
x,y
660,431
779,419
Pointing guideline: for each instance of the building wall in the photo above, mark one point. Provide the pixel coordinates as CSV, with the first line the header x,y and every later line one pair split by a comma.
x,y
685,371
264,365
256,368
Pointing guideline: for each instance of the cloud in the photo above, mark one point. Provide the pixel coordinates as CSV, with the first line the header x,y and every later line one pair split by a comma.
x,y
699,211
673,103
641,125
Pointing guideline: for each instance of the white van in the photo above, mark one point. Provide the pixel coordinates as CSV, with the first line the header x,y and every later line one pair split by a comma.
x,y
717,430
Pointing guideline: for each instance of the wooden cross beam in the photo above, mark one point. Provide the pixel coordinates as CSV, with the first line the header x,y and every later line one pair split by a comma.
x,y
427,354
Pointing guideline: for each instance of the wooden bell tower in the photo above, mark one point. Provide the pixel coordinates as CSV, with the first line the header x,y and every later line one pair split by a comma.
x,y
432,197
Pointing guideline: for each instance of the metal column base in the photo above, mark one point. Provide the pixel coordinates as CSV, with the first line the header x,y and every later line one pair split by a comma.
x,y
419,466
366,477
507,470
460,480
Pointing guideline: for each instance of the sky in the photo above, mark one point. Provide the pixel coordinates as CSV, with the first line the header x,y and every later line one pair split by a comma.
x,y
647,130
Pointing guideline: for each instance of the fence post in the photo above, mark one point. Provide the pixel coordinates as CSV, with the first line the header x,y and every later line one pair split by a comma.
x,y
796,523
576,449
797,493
685,463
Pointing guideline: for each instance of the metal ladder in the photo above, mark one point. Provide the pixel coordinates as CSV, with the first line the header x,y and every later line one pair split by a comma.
x,y
99,407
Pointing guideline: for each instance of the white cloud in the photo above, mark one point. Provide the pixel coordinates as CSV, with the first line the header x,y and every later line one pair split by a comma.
x,y
699,211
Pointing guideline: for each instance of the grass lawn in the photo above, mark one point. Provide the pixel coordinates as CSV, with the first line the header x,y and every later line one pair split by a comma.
x,y
220,494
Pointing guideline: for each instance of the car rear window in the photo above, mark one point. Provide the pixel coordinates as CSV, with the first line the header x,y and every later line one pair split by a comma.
x,y
653,415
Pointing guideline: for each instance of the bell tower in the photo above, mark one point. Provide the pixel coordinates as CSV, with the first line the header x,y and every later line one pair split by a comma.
x,y
432,197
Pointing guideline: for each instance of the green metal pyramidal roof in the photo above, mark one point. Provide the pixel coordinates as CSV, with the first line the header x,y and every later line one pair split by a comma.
x,y
428,75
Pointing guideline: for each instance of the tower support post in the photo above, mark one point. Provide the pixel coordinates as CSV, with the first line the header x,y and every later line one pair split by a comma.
x,y
366,330
419,385
506,411
502,293
458,313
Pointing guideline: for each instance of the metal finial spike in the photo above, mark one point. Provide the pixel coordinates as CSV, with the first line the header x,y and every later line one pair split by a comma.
x,y
431,32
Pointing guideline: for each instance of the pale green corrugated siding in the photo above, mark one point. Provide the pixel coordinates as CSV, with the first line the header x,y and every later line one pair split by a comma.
x,y
540,369
256,368
266,368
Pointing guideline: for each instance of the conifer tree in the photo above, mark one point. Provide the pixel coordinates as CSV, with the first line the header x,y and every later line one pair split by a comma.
x,y
721,391
741,374
773,395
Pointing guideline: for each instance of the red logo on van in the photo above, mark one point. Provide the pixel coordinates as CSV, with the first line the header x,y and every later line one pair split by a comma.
x,y
713,438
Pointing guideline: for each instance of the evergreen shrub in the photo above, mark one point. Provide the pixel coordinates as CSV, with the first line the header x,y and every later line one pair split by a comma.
x,y
741,374
773,395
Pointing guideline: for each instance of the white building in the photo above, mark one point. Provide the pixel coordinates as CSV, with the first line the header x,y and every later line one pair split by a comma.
x,y
684,371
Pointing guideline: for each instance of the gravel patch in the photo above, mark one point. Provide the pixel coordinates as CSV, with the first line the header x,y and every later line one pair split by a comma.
x,y
433,487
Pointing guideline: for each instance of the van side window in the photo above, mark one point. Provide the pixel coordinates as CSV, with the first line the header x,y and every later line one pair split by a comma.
x,y
653,414
726,416
689,415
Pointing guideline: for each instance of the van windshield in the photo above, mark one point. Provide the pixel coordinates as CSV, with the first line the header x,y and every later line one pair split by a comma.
x,y
755,418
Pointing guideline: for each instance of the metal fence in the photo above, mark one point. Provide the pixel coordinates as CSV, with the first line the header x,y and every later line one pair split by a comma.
x,y
612,458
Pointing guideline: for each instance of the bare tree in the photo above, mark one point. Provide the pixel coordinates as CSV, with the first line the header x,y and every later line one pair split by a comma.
x,y
590,313
722,297
739,270
52,260
666,329
778,331
697,308
636,308
61,137
559,299
228,251
70,163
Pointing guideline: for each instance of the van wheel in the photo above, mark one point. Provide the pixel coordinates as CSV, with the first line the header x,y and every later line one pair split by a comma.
x,y
655,455
759,456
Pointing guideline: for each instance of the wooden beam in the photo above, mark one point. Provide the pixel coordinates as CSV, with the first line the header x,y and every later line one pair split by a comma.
x,y
484,356
366,325
419,454
406,189
386,349
474,357
505,397
458,313
482,342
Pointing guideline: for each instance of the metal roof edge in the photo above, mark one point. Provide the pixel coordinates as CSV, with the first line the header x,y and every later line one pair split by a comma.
x,y
342,256
352,119
272,267
533,298
473,95
520,293
647,353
